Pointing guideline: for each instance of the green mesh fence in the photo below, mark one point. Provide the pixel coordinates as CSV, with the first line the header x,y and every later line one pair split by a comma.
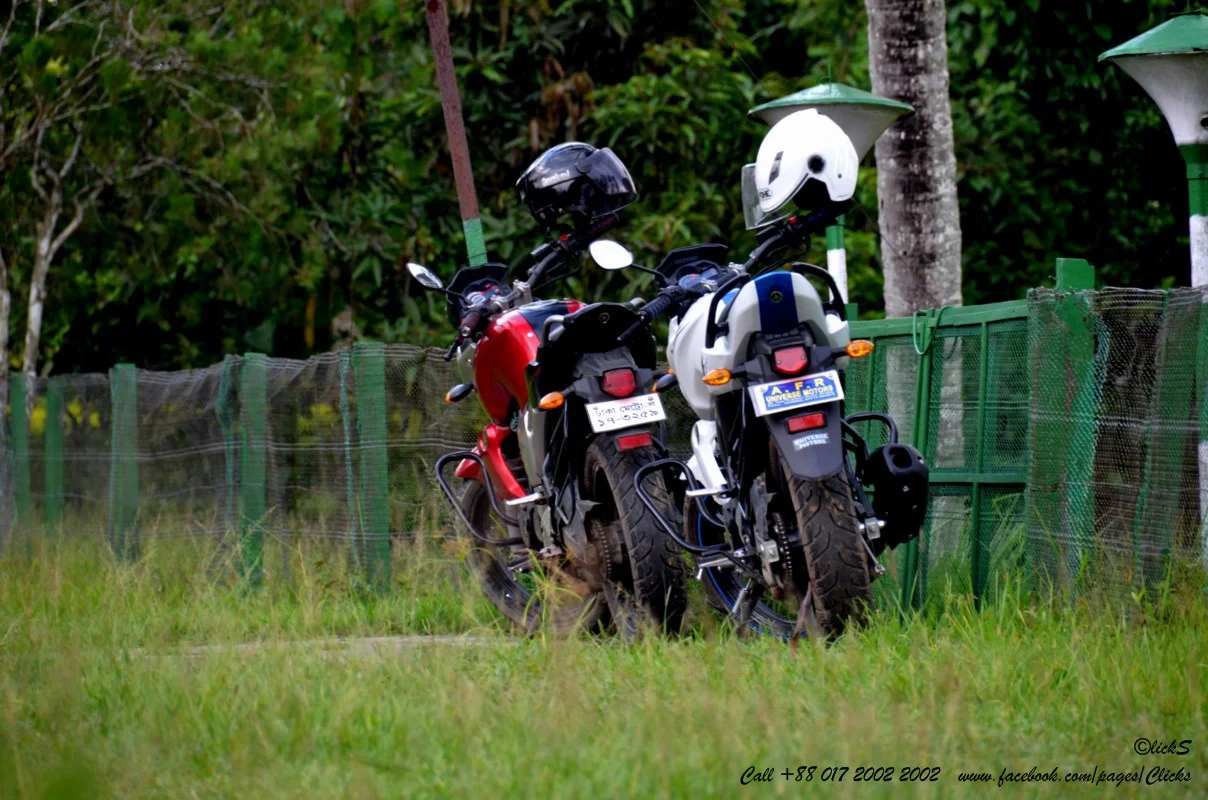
x,y
1062,435
956,381
1118,411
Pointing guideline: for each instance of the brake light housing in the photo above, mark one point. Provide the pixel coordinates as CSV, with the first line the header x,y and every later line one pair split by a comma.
x,y
619,382
790,360
807,422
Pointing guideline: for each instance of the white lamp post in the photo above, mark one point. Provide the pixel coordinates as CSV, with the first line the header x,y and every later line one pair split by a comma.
x,y
863,116
1171,64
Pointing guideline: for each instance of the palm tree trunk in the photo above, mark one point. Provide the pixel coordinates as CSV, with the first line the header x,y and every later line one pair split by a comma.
x,y
916,163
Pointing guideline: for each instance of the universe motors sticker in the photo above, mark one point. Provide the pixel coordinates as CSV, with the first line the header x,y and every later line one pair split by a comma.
x,y
810,390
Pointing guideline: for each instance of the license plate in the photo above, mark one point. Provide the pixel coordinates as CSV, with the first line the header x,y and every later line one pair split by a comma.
x,y
808,390
617,414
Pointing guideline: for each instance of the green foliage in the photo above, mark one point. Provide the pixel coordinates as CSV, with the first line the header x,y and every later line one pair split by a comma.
x,y
308,155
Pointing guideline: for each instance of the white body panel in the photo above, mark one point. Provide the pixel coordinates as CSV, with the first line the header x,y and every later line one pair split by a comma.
x,y
703,462
690,359
685,341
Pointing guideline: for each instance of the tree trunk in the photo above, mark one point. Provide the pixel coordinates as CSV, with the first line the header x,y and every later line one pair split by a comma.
x,y
44,251
916,164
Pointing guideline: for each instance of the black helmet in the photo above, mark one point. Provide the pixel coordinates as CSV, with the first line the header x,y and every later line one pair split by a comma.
x,y
575,178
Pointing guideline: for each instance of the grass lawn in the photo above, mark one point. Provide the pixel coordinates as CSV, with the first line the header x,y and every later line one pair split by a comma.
x,y
96,701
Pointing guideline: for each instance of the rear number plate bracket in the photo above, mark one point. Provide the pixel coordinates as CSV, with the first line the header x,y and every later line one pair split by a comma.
x,y
794,393
615,415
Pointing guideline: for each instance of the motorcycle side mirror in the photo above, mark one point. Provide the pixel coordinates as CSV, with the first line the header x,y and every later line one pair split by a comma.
x,y
609,254
424,275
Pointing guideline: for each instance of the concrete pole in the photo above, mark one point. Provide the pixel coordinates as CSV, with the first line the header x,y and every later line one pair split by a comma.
x,y
836,257
459,150
1196,157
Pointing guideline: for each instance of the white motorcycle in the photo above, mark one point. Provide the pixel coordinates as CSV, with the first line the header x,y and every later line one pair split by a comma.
x,y
777,507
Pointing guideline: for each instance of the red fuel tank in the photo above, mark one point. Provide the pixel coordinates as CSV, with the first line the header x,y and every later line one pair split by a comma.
x,y
505,350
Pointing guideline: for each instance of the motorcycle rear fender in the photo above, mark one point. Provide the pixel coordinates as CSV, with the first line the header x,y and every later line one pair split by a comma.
x,y
815,454
490,448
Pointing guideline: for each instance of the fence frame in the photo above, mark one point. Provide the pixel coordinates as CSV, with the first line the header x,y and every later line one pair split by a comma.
x,y
923,327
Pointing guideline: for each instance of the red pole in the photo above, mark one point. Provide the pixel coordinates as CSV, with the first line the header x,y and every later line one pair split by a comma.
x,y
459,150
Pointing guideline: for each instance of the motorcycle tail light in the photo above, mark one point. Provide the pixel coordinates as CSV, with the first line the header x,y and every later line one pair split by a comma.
x,y
790,360
634,441
619,382
807,422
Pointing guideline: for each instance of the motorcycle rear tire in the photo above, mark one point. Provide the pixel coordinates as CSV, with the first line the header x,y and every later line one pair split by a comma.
x,y
651,587
825,515
834,553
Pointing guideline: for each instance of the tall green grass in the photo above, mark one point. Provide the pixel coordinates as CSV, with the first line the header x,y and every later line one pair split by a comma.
x,y
99,698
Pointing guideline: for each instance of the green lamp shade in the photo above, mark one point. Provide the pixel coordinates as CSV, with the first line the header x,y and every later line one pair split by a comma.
x,y
863,116
1171,64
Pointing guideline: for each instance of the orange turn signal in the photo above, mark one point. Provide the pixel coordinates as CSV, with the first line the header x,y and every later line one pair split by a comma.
x,y
449,396
551,401
717,377
859,348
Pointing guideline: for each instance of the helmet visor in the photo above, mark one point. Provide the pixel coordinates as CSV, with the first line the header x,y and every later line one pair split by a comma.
x,y
612,180
755,216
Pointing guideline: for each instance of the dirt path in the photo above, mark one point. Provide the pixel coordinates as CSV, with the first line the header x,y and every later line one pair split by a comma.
x,y
358,647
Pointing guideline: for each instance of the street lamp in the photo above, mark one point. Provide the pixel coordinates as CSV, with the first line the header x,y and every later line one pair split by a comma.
x,y
1171,64
863,116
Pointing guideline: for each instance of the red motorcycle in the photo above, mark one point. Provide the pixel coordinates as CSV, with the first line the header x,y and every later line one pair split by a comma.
x,y
548,491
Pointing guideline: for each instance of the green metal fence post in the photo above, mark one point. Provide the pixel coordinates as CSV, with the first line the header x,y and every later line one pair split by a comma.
x,y
253,393
1075,275
370,367
52,455
21,492
226,418
911,597
123,471
1201,383
976,528
354,510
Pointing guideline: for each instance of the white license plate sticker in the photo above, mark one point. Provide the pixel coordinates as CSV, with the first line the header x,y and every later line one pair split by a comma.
x,y
625,413
808,390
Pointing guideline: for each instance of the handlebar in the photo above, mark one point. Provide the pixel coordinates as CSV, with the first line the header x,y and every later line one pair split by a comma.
x,y
669,299
571,245
603,226
560,250
470,323
794,230
649,313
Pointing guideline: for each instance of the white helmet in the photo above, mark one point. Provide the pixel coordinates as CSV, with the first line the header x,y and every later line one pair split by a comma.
x,y
805,161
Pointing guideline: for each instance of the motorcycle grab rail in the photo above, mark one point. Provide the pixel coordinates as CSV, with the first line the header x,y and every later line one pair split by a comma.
x,y
876,416
711,326
835,304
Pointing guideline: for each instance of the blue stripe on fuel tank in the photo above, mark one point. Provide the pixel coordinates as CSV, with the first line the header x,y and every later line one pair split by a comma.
x,y
777,303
